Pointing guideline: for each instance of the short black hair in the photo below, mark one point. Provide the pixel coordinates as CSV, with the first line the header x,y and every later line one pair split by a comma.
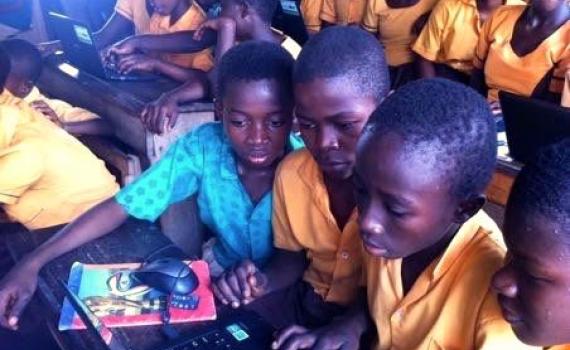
x,y
264,8
543,186
26,59
254,61
345,52
4,67
447,121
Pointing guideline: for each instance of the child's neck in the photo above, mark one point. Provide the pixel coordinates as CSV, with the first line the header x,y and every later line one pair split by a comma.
x,y
179,10
256,182
341,199
261,31
414,265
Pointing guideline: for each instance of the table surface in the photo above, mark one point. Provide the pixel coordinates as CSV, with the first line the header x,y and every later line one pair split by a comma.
x,y
132,242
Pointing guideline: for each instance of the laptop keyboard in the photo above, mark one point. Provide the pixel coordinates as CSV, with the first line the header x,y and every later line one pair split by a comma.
x,y
213,340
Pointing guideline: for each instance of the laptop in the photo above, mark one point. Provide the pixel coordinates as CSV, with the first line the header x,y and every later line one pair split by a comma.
x,y
80,50
289,19
237,330
531,124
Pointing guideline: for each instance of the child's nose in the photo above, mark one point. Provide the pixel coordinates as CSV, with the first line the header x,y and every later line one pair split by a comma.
x,y
504,283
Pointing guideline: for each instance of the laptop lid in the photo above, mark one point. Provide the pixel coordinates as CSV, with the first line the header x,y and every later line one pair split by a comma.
x,y
289,19
78,44
531,124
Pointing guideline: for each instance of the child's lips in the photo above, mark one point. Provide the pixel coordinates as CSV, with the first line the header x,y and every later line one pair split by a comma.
x,y
509,314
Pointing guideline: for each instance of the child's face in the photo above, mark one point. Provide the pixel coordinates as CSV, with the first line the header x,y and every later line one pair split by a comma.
x,y
534,284
331,116
234,10
18,86
257,120
404,203
165,7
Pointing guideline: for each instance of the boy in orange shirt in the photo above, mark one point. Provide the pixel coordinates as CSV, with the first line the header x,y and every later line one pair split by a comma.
x,y
421,171
533,285
339,78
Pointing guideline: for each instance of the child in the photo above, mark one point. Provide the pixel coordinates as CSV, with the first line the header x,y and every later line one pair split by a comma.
x,y
447,43
524,50
239,21
397,24
422,168
47,177
26,67
229,165
311,11
340,12
340,77
533,285
172,16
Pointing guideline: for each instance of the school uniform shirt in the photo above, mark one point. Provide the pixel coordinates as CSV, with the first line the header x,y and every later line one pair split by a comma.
x,y
302,221
311,11
343,12
66,113
190,20
449,306
559,347
202,162
47,177
137,12
450,36
505,70
394,27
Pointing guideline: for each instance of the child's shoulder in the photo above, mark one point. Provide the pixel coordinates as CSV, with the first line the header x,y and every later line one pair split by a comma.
x,y
293,162
208,132
506,14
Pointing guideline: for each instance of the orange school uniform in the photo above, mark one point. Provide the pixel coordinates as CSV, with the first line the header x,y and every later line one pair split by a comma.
x,y
343,12
48,177
451,34
137,12
190,20
302,220
505,70
311,11
394,27
449,306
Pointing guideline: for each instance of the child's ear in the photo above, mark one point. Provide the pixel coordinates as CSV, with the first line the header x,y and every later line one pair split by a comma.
x,y
469,207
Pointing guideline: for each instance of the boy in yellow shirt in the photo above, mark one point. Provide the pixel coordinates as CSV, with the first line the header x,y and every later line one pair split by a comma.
x,y
25,70
342,12
421,171
47,177
339,78
311,11
534,283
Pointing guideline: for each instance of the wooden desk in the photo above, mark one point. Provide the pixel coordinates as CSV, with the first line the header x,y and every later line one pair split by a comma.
x,y
132,242
500,187
121,103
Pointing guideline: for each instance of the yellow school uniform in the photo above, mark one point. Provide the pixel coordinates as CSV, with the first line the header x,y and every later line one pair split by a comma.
x,y
559,347
504,70
343,12
137,12
395,27
311,11
302,220
48,177
450,36
66,113
450,305
190,20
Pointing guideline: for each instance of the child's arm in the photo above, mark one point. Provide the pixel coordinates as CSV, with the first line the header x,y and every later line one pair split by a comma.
x,y
89,127
343,333
117,27
245,283
424,67
144,63
226,29
162,114
19,285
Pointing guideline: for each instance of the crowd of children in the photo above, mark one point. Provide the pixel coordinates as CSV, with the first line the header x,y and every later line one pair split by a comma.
x,y
372,234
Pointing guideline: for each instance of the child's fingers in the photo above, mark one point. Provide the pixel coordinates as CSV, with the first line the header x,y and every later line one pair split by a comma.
x,y
227,292
287,338
219,295
242,275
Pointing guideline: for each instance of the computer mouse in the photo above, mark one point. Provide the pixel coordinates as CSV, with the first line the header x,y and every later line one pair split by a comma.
x,y
167,275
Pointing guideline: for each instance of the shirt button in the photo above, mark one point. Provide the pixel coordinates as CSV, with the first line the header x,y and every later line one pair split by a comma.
x,y
344,255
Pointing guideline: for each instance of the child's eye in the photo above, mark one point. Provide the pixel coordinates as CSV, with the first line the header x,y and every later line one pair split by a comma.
x,y
306,125
276,123
397,212
347,125
238,123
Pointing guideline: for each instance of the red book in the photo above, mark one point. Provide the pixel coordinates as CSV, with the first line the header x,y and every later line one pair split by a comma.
x,y
96,285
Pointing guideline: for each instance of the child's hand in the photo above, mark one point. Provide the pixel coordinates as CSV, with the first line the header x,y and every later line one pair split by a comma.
x,y
240,286
124,47
136,62
16,290
335,336
216,24
160,115
46,110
